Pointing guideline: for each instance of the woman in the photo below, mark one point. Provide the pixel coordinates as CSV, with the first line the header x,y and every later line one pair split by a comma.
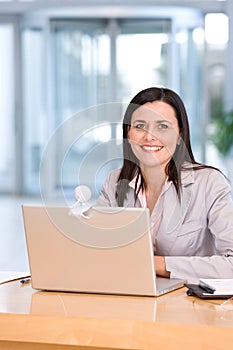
x,y
190,204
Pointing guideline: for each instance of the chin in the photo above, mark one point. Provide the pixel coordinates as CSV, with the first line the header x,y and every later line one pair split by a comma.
x,y
150,164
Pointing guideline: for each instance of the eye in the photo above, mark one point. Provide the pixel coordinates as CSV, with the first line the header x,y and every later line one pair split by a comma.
x,y
140,126
163,126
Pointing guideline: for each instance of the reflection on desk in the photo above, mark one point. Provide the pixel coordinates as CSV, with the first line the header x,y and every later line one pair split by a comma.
x,y
174,307
54,320
95,306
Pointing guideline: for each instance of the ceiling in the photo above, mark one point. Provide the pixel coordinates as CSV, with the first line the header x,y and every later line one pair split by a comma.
x,y
25,6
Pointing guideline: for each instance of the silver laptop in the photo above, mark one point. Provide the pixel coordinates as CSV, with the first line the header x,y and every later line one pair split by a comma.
x,y
105,250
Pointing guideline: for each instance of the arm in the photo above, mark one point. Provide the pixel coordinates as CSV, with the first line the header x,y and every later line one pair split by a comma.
x,y
160,267
218,214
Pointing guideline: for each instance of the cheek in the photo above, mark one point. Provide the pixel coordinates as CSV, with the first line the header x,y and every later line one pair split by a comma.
x,y
170,142
132,136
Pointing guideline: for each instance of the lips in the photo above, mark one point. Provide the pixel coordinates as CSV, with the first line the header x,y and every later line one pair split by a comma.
x,y
151,148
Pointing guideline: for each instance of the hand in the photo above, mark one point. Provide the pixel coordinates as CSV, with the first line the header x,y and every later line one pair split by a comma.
x,y
161,267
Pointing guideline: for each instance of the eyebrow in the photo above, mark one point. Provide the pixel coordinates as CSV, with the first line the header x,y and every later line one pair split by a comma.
x,y
139,121
157,121
163,121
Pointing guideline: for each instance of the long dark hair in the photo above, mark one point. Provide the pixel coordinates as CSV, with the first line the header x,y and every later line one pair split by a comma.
x,y
183,152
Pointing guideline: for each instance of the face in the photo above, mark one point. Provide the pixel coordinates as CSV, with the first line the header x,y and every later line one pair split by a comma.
x,y
154,134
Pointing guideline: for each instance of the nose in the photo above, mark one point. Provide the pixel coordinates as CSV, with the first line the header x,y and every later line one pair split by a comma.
x,y
149,135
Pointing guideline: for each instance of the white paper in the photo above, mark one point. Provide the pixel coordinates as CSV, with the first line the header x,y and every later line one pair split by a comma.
x,y
220,285
7,276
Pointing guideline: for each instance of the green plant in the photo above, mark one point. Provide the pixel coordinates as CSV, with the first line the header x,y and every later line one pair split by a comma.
x,y
222,135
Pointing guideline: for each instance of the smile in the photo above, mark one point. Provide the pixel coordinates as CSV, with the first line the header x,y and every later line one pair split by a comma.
x,y
152,148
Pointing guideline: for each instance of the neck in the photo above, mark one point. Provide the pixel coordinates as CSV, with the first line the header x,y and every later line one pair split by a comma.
x,y
154,178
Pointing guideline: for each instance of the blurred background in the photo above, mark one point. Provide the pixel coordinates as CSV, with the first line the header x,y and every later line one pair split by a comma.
x,y
88,58
59,58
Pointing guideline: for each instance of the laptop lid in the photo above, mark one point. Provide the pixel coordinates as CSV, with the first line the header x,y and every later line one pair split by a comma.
x,y
109,250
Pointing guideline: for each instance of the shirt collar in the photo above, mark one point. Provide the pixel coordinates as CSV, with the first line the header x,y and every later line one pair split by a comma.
x,y
187,177
166,185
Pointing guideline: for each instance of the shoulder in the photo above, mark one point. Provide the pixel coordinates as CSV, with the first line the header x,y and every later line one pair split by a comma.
x,y
111,179
113,176
207,177
108,191
202,171
211,175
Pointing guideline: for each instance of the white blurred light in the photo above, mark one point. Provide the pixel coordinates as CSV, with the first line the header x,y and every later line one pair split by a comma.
x,y
199,35
216,28
181,37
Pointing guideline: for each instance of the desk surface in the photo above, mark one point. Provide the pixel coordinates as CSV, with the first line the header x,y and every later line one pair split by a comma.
x,y
62,320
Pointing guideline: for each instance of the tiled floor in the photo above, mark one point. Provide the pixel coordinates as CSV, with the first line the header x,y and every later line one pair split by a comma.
x,y
13,251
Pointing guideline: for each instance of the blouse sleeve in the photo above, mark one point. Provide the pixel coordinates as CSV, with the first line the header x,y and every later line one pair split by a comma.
x,y
219,209
107,196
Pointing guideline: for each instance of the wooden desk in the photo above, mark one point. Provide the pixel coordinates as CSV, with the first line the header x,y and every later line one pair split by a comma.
x,y
46,320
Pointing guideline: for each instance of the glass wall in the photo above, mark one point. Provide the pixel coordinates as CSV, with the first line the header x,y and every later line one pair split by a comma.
x,y
81,65
95,63
7,107
90,68
81,73
142,55
216,46
35,115
190,47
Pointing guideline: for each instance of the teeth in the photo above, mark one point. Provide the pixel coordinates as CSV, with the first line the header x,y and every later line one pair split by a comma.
x,y
152,148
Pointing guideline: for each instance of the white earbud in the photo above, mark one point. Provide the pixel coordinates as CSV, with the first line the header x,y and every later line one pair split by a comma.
x,y
82,194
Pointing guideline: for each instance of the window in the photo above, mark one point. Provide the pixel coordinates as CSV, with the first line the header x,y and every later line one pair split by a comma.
x,y
36,119
216,46
79,75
